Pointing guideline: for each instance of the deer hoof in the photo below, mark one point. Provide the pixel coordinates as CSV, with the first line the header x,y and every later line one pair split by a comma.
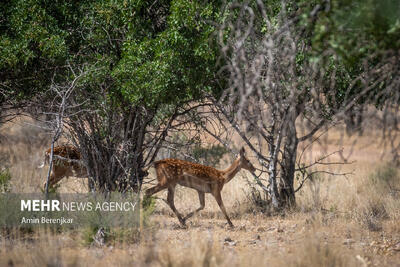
x,y
230,226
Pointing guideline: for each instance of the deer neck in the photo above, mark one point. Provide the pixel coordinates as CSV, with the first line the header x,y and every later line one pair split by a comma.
x,y
232,170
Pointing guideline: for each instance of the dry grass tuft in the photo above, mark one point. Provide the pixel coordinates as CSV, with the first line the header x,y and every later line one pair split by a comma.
x,y
201,251
317,253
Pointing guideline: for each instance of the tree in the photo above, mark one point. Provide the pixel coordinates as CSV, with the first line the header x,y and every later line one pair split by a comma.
x,y
140,66
31,47
280,79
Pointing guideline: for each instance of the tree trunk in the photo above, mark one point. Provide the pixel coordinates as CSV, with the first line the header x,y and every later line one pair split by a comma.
x,y
273,189
286,189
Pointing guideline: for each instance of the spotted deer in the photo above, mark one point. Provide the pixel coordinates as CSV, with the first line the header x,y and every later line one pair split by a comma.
x,y
204,179
65,163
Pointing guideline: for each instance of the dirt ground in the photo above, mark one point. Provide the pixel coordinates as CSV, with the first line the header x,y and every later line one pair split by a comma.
x,y
338,221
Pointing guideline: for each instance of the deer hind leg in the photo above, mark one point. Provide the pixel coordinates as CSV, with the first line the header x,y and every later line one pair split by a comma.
x,y
154,189
162,183
218,198
202,205
170,200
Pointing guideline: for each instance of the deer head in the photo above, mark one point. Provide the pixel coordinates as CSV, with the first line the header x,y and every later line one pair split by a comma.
x,y
244,162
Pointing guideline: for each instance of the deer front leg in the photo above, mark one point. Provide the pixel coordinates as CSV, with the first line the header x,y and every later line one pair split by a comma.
x,y
218,198
170,200
55,177
202,205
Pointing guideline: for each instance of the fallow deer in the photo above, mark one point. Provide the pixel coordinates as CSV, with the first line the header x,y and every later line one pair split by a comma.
x,y
65,163
204,179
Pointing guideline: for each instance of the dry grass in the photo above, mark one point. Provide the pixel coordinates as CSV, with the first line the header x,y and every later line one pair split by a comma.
x,y
338,221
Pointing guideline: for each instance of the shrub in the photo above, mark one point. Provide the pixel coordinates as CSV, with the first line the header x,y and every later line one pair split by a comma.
x,y
258,200
317,253
372,214
378,197
5,178
386,179
148,207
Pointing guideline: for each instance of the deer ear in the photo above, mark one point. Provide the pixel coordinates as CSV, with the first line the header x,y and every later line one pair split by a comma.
x,y
242,151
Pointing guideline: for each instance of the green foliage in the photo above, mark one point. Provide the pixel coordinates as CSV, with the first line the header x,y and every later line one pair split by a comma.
x,y
151,53
346,36
30,32
5,178
358,28
172,65
163,53
88,233
355,30
33,43
148,208
148,204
